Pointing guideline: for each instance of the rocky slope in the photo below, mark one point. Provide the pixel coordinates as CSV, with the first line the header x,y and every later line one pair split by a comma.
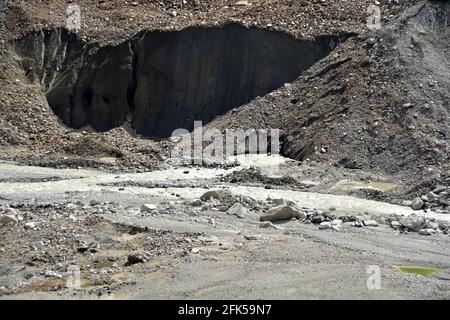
x,y
378,103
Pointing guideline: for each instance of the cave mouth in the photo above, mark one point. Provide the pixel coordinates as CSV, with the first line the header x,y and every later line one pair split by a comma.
x,y
162,81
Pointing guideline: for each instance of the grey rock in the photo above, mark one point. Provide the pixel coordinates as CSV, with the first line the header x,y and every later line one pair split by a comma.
x,y
440,189
282,213
325,226
266,225
358,224
149,208
417,204
413,222
209,239
252,237
427,232
370,223
238,210
31,225
318,219
137,258
279,202
211,195
396,225
432,225
8,219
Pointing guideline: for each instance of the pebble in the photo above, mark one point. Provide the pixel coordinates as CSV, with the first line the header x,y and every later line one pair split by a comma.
x,y
432,225
266,225
427,232
371,223
8,219
336,224
396,225
417,204
325,226
252,237
209,239
137,258
283,213
238,210
31,225
149,208
318,219
52,274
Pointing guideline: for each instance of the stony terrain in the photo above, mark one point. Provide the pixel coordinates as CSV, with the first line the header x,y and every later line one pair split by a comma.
x,y
369,92
184,233
363,178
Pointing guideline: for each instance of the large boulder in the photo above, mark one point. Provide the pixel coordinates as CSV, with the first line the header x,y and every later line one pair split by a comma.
x,y
417,204
8,219
413,222
283,212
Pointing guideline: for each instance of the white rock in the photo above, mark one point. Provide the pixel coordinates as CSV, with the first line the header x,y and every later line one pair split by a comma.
x,y
238,210
52,274
283,213
396,225
149,208
325,225
242,3
31,225
371,223
279,202
336,224
427,232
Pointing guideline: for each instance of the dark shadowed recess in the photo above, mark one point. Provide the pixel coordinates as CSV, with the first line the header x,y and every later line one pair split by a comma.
x,y
162,81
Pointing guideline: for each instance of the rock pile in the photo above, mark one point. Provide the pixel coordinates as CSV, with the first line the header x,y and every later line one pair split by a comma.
x,y
437,200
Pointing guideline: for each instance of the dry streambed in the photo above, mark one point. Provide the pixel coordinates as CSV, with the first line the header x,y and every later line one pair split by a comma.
x,y
183,233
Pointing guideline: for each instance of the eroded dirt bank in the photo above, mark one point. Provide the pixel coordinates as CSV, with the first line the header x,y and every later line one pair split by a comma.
x,y
163,81
378,103
366,119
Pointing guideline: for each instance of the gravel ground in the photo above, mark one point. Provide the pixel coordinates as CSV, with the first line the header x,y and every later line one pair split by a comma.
x,y
189,249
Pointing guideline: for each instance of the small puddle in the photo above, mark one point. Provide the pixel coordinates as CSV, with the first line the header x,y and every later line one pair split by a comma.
x,y
346,185
422,271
